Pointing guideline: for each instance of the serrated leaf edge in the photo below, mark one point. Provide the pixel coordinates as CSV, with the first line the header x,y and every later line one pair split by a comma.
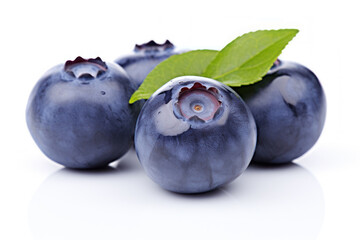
x,y
236,69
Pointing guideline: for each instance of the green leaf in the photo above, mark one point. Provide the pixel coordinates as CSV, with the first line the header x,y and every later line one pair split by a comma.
x,y
243,61
189,63
249,57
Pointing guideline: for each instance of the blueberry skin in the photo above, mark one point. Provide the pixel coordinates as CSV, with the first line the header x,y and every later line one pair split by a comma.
x,y
186,154
145,58
79,119
289,108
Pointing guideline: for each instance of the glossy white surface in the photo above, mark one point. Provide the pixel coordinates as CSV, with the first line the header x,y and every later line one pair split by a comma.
x,y
317,197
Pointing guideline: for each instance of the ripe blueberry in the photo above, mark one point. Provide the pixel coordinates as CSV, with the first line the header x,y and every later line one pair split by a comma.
x,y
145,58
194,134
289,108
78,113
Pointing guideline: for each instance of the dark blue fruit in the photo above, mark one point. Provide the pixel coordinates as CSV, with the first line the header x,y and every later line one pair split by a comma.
x,y
145,58
194,134
289,108
78,113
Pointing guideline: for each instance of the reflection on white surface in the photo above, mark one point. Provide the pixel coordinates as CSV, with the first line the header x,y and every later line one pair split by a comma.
x,y
122,203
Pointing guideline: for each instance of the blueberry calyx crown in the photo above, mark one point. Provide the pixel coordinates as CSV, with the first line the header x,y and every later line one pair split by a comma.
x,y
85,69
198,103
152,46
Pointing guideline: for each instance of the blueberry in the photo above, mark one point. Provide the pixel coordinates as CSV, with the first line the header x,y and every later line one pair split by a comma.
x,y
289,108
194,134
145,58
78,113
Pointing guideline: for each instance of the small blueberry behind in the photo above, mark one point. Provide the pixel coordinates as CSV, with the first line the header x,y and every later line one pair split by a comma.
x,y
289,108
145,57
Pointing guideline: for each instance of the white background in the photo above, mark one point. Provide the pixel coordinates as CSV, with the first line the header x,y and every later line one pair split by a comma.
x,y
315,198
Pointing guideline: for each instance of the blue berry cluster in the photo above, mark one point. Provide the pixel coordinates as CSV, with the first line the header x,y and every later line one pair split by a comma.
x,y
192,135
